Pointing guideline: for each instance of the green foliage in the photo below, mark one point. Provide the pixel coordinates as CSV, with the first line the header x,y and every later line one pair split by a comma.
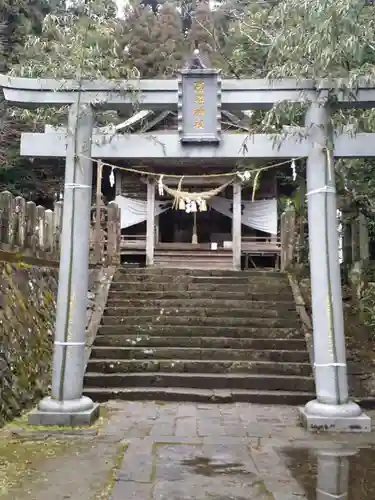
x,y
317,39
171,40
26,321
313,39
20,18
76,44
202,28
82,42
154,43
368,305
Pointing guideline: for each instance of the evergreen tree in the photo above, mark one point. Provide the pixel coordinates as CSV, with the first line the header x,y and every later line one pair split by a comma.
x,y
202,29
154,42
106,9
78,42
209,33
57,6
171,40
140,37
153,4
81,42
19,18
187,8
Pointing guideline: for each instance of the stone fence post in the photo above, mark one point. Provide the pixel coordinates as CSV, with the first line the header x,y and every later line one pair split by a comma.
x,y
33,231
287,238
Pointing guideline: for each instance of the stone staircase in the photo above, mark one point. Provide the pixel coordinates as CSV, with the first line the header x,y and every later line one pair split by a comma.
x,y
194,335
184,257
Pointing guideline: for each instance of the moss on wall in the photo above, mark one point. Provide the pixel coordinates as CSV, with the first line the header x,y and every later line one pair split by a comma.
x,y
27,318
27,315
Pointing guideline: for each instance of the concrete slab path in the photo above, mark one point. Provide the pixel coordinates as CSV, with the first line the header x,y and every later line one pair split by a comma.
x,y
151,451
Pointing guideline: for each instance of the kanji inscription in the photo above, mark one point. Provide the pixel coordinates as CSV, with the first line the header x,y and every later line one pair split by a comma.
x,y
199,109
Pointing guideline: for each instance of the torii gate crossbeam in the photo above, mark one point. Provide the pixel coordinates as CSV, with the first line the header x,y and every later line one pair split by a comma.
x,y
167,147
332,410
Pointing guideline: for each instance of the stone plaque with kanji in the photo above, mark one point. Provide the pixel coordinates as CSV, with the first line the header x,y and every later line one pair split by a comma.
x,y
199,106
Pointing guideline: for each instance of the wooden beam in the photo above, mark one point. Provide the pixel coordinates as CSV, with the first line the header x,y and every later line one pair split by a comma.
x,y
191,181
150,224
236,226
98,246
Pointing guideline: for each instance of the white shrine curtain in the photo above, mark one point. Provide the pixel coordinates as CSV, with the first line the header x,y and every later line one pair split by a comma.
x,y
135,211
259,214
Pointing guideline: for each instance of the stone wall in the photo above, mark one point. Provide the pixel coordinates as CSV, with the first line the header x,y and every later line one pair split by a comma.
x,y
27,317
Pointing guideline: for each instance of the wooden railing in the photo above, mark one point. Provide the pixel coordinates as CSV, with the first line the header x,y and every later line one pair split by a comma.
x,y
105,238
265,244
281,246
131,242
248,243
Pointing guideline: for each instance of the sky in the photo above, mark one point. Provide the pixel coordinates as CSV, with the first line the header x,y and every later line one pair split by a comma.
x,y
120,5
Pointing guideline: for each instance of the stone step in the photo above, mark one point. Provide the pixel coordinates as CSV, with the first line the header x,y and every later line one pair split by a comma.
x,y
202,342
196,279
191,353
270,272
198,366
238,332
161,319
249,288
167,250
115,299
200,335
193,259
222,263
199,312
261,296
200,395
238,381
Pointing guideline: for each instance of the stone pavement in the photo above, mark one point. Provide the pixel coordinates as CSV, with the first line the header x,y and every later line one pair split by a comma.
x,y
151,451
222,452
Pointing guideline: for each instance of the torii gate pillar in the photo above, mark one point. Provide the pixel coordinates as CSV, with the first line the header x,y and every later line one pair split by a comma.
x,y
67,406
331,410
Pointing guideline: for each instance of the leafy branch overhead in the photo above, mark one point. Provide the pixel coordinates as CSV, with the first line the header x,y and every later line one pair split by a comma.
x,y
314,39
71,41
317,39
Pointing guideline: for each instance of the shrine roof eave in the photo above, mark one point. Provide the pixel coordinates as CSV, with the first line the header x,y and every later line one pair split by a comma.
x,y
168,148
163,94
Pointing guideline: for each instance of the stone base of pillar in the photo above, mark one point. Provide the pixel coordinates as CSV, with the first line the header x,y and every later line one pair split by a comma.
x,y
320,417
78,412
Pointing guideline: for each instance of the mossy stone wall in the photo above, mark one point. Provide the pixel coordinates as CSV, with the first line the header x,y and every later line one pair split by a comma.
x,y
27,317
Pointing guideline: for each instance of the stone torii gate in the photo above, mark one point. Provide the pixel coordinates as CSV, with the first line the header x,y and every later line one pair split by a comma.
x,y
198,95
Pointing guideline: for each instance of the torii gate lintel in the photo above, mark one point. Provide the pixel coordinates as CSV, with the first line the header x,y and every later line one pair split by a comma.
x,y
163,94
